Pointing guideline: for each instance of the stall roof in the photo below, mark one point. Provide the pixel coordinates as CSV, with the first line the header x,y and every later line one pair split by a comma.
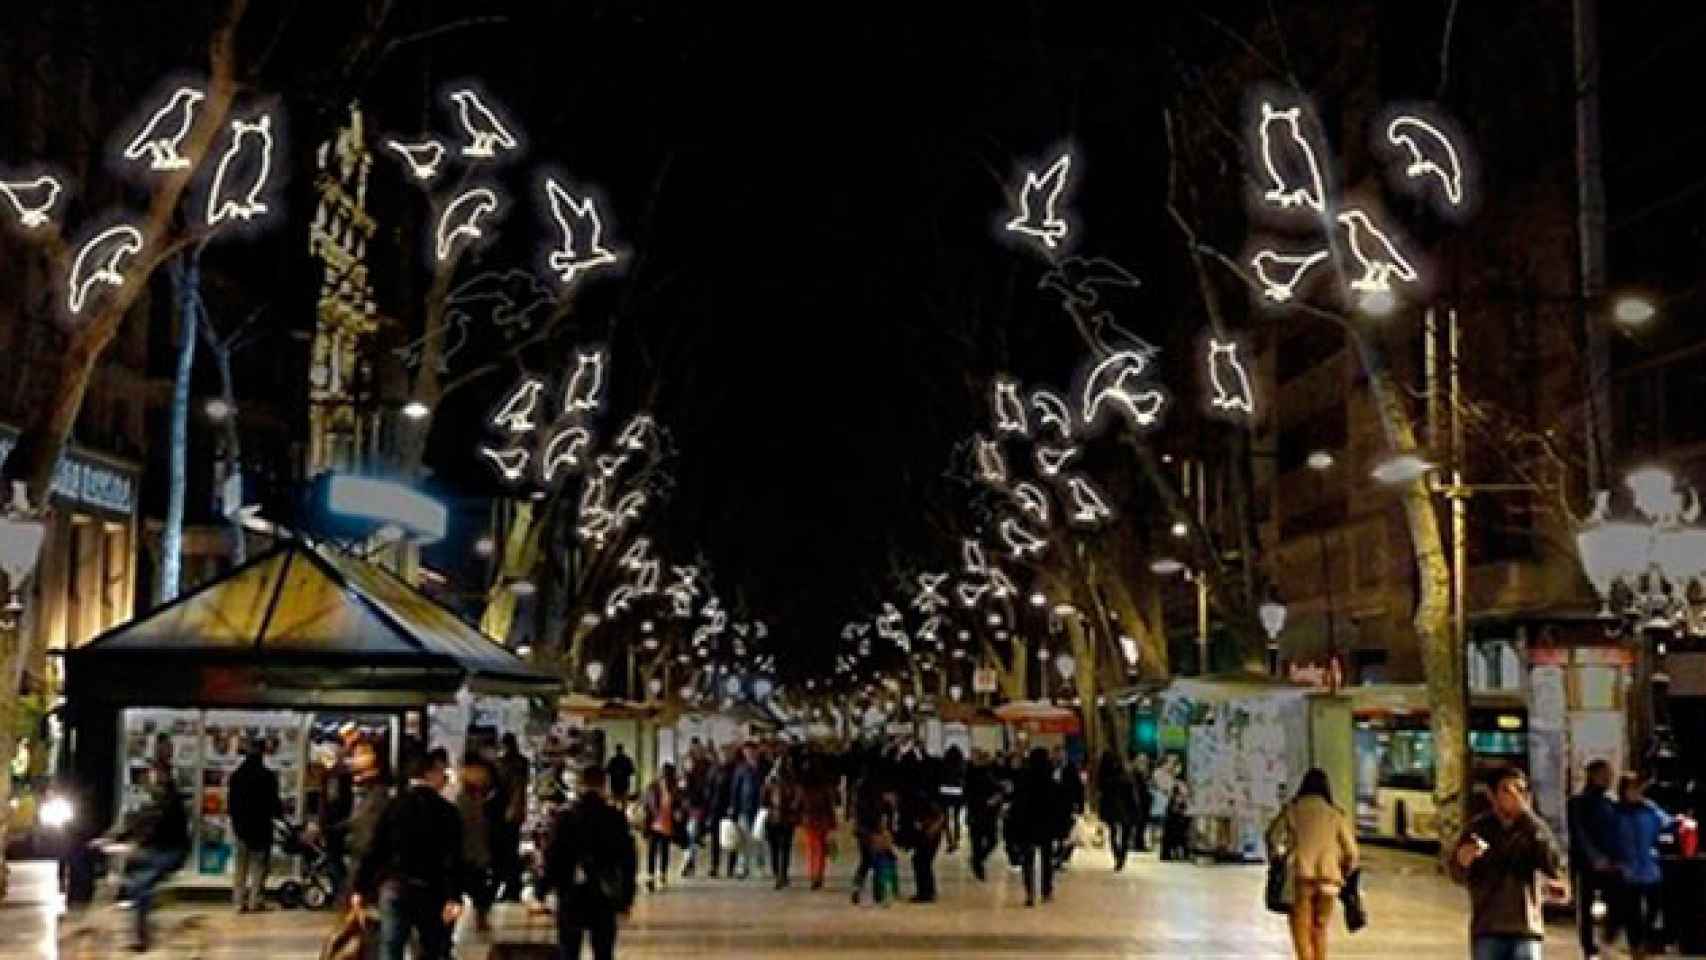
x,y
302,622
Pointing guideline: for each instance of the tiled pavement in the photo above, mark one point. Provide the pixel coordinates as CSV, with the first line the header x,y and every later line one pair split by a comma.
x,y
1151,910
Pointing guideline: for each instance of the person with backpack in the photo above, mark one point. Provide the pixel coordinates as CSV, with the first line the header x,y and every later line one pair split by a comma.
x,y
161,831
1319,845
593,868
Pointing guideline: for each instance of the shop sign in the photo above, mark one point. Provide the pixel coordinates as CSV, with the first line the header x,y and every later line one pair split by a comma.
x,y
87,481
983,680
1321,676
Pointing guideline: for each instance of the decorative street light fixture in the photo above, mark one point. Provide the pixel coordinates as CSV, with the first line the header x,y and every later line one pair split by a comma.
x,y
1651,573
20,546
956,691
595,671
1066,666
1273,621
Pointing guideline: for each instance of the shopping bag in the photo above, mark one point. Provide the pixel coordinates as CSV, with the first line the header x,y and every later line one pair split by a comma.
x,y
1277,894
349,939
536,939
1088,832
728,833
761,823
1350,895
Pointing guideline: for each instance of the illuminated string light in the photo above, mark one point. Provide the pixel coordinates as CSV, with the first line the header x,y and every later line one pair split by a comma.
x,y
1299,157
972,556
516,414
1111,383
889,624
1021,543
421,158
1009,409
411,353
630,507
242,204
1374,252
32,199
1052,460
563,452
1431,154
638,433
646,582
1280,273
928,629
1000,584
1032,500
1089,506
1230,380
971,592
637,554
98,262
991,465
165,131
575,220
929,598
1038,199
1052,412
618,602
485,132
510,464
610,464
585,390
462,218
684,590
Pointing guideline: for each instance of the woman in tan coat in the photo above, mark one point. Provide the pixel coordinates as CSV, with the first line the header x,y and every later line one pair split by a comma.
x,y
1320,845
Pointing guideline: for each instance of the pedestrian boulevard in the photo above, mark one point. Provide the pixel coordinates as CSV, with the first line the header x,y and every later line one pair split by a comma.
x,y
1152,910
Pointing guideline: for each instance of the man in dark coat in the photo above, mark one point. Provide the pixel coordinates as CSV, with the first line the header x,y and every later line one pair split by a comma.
x,y
621,770
515,777
161,831
983,808
592,866
254,804
414,867
1592,818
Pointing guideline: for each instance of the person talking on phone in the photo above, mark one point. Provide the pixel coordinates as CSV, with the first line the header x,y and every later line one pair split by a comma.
x,y
1502,856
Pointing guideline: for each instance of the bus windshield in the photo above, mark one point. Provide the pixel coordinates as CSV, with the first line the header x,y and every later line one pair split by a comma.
x,y
1408,762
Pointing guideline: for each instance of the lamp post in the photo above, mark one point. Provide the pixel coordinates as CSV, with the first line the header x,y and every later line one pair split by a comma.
x,y
1273,621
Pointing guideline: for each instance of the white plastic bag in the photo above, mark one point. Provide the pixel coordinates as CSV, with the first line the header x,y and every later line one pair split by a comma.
x,y
728,834
760,823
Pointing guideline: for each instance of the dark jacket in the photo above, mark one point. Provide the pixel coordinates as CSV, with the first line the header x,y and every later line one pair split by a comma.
x,y
718,783
1114,796
621,771
1504,894
1041,811
590,862
254,802
162,824
1592,817
418,842
745,791
983,793
367,803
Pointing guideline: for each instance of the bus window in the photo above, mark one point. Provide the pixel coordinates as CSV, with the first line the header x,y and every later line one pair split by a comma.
x,y
1409,761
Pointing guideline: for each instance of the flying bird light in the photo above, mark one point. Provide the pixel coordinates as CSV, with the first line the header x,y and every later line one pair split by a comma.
x,y
1000,584
165,131
646,581
510,463
618,602
610,464
1431,154
971,592
1280,273
1052,460
486,133
32,199
1009,409
97,261
247,158
972,556
516,414
563,452
1115,382
684,590
929,598
422,158
638,433
1375,253
581,249
1230,380
461,219
1039,198
585,390
1290,161
1021,543
1089,506
991,465
1052,412
637,553
1032,501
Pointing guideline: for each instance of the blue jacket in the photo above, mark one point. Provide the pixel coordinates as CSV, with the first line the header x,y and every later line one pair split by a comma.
x,y
744,791
1593,829
1638,829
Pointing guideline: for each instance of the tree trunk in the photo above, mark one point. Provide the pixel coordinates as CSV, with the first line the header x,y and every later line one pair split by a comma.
x,y
186,283
233,453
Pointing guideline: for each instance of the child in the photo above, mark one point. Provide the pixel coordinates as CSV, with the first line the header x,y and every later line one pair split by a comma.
x,y
887,865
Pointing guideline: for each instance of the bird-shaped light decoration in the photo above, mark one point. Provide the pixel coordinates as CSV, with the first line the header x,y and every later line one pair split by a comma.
x,y
631,507
1280,273
585,390
1375,253
610,464
618,602
637,554
165,131
1089,506
486,133
1116,382
242,172
422,158
456,325
1022,544
1000,584
971,592
1009,409
928,630
1053,413
929,598
1052,460
972,556
1431,154
31,199
516,413
581,248
1290,161
563,453
684,590
1032,501
1230,380
638,433
511,463
1038,214
461,219
889,623
991,465
97,261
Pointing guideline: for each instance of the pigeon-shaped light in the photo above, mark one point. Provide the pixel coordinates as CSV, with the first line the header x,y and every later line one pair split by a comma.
x,y
1052,460
1117,382
1032,501
618,602
1000,584
581,247
457,325
1375,253
242,173
1289,160
510,464
971,592
991,465
585,390
972,557
516,413
563,452
610,464
97,262
929,598
461,219
422,158
31,199
1053,413
1038,214
1431,155
638,433
1089,507
1022,544
1280,273
637,553
1009,409
1230,380
646,581
486,133
165,130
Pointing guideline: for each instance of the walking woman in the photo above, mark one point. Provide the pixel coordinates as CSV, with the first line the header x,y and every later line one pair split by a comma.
x,y
817,815
780,801
1321,851
1115,800
663,807
1033,822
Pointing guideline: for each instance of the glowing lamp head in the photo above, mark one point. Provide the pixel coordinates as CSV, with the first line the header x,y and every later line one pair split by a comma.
x,y
595,670
217,409
1377,303
1320,460
522,587
1165,566
1273,618
57,813
485,546
654,686
1038,600
1633,311
1655,492
1180,529
994,620
1401,469
956,691
416,410
1066,666
1130,649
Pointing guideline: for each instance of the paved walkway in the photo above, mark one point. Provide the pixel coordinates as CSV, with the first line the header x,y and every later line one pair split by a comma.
x,y
1151,910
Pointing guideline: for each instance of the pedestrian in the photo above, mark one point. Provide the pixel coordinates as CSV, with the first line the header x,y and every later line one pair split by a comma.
x,y
1592,818
1039,807
474,788
719,783
922,824
253,801
1166,777
1115,800
621,774
1176,827
873,819
781,803
1501,856
592,867
513,783
1635,907
160,830
746,791
983,799
693,797
370,793
817,815
337,802
1144,797
1071,781
953,791
662,805
413,869
1320,849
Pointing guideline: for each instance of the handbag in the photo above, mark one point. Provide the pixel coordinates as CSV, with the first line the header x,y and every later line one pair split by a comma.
x,y
1279,892
349,938
1350,896
728,833
761,822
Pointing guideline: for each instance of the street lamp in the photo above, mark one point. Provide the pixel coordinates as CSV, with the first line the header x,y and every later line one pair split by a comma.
x,y
1129,647
416,410
1377,303
216,409
595,672
1273,621
1633,310
1320,460
1653,572
1165,566
1401,468
1066,666
1038,599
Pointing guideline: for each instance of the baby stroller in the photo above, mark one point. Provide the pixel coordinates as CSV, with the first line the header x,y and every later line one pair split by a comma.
x,y
315,884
